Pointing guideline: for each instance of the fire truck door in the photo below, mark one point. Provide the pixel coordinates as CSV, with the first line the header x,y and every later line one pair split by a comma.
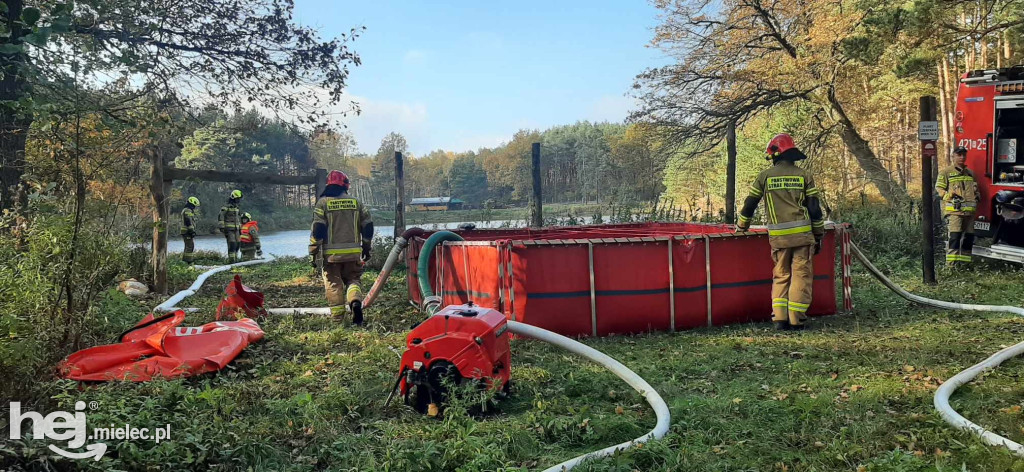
x,y
1008,142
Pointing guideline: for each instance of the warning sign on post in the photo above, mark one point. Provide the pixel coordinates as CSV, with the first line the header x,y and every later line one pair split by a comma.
x,y
928,130
928,149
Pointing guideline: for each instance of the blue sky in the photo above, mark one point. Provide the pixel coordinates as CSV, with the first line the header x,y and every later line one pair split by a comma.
x,y
462,75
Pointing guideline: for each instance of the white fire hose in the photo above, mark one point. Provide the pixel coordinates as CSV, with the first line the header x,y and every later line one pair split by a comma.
x,y
946,390
171,303
616,367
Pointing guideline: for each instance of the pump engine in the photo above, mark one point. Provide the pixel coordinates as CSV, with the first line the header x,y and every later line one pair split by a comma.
x,y
457,344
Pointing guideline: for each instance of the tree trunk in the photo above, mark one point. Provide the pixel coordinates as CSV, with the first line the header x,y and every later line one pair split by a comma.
x,y
945,118
730,174
999,51
984,45
13,124
1006,46
866,158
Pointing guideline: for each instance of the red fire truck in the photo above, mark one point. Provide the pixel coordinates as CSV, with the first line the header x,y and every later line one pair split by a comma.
x,y
989,122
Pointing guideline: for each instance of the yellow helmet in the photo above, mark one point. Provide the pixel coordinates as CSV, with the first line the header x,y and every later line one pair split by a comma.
x,y
236,194
193,201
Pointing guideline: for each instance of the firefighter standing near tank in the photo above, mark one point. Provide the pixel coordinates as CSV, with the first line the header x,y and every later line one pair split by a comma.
x,y
249,238
230,223
959,192
795,229
341,234
188,229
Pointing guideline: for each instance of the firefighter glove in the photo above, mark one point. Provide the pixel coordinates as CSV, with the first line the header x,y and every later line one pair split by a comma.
x,y
191,233
312,260
259,253
958,202
817,245
366,251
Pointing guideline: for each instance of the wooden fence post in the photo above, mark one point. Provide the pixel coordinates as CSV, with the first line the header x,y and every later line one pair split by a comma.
x,y
537,205
319,182
928,152
158,188
400,195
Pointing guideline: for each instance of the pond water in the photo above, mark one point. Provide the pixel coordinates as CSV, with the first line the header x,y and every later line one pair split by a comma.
x,y
295,242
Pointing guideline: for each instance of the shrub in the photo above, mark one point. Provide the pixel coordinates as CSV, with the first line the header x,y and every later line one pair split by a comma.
x,y
51,287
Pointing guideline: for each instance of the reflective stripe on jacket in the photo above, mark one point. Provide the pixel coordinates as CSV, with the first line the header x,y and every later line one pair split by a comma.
x,y
957,182
785,188
229,217
249,230
188,221
344,218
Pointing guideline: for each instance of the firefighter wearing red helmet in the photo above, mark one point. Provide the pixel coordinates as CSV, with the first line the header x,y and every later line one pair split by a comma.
x,y
795,228
341,234
959,192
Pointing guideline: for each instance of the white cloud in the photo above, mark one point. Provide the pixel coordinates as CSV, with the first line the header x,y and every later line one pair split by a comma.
x,y
377,118
613,108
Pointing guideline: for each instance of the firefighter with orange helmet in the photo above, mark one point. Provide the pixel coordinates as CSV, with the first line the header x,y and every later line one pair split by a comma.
x,y
341,234
795,228
959,192
249,238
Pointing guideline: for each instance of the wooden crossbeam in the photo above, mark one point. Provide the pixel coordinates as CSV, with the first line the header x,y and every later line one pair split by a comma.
x,y
161,177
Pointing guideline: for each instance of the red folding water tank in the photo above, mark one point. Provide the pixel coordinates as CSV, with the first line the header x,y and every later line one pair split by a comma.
x,y
600,280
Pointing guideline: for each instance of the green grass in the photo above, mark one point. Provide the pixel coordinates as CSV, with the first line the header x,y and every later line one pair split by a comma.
x,y
854,393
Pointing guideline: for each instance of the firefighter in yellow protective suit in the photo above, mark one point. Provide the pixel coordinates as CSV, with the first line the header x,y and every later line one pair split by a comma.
x,y
230,223
341,234
249,238
188,229
959,192
795,229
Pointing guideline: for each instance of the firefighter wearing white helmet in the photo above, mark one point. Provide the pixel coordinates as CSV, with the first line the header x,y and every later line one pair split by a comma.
x,y
230,223
188,229
341,234
959,192
795,229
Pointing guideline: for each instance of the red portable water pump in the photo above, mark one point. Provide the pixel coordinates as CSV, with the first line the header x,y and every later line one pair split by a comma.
x,y
456,344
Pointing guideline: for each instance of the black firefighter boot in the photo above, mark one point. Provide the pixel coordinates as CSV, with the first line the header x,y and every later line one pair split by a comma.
x,y
781,325
357,312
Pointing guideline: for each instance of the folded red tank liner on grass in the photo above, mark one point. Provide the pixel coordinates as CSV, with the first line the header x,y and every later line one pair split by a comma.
x,y
157,347
599,280
240,301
